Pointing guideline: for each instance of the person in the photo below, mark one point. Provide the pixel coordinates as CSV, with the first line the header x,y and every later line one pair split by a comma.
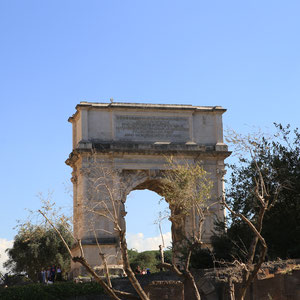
x,y
53,273
40,276
58,274
44,276
48,275
138,270
148,271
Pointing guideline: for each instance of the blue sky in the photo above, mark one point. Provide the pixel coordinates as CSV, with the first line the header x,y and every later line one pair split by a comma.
x,y
242,55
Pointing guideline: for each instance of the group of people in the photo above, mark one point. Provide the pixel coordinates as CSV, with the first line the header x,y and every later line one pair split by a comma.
x,y
139,271
51,274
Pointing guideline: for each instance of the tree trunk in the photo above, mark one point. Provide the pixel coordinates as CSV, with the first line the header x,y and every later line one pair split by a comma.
x,y
106,288
190,288
131,276
231,291
250,275
178,234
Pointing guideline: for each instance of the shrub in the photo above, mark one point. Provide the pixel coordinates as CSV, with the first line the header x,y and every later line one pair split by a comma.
x,y
57,291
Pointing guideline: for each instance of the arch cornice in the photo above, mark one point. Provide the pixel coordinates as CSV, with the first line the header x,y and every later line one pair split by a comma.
x,y
220,152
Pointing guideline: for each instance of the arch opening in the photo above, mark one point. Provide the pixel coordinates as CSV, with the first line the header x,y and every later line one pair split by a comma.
x,y
150,211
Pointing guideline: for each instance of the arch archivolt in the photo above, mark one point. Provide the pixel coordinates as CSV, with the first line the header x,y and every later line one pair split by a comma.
x,y
152,180
140,180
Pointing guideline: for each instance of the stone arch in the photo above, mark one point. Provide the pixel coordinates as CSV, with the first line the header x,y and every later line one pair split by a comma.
x,y
142,179
132,141
152,180
137,210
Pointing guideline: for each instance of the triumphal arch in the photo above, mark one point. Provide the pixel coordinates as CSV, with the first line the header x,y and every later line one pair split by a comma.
x,y
120,147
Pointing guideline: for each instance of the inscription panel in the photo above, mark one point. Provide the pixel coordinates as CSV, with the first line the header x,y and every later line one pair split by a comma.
x,y
152,128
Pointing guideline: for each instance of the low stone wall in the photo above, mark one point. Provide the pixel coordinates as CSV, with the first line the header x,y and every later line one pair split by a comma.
x,y
162,286
279,287
172,290
276,287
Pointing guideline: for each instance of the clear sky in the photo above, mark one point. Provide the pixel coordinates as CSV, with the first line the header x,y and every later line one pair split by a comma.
x,y
242,55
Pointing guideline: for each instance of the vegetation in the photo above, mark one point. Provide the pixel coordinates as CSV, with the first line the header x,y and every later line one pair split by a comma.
x,y
37,247
57,291
148,259
263,201
185,186
104,182
279,160
187,189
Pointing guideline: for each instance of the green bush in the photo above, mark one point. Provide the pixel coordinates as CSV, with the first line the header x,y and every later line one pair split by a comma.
x,y
56,291
147,259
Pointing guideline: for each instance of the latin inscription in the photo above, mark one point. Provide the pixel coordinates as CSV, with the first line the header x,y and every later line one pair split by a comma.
x,y
139,128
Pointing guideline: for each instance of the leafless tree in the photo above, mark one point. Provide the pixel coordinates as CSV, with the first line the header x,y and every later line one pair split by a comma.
x,y
185,186
103,201
249,145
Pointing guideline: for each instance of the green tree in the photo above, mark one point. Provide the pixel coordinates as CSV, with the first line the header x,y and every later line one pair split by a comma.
x,y
279,159
145,259
148,259
282,224
231,243
263,200
38,247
